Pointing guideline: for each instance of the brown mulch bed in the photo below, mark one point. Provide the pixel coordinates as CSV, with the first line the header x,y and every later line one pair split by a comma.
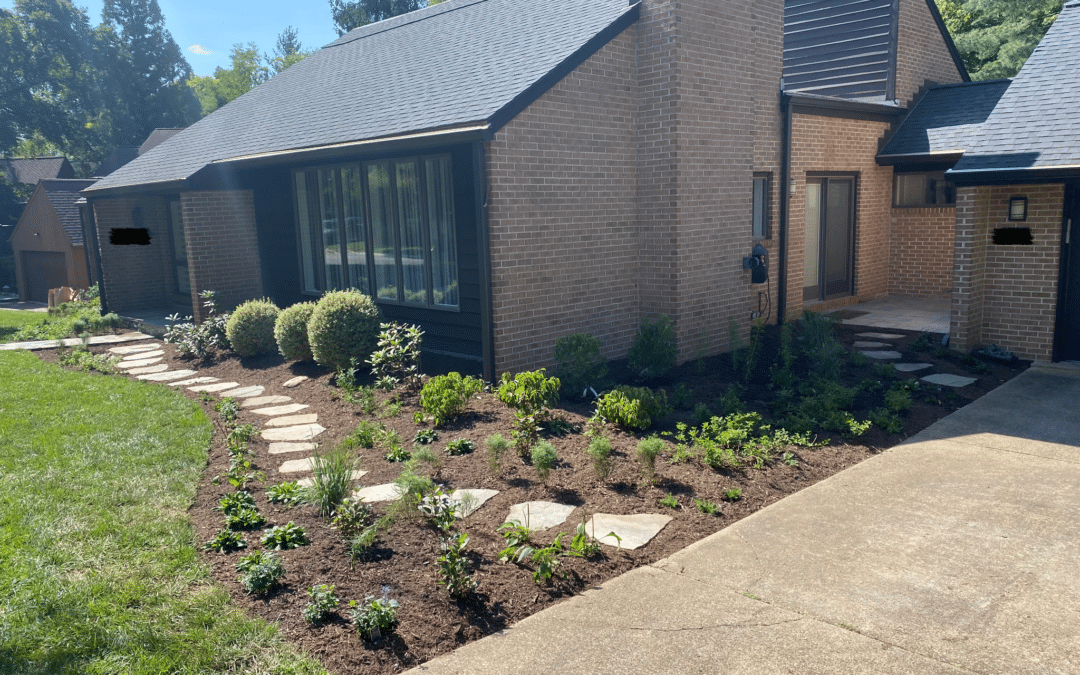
x,y
402,565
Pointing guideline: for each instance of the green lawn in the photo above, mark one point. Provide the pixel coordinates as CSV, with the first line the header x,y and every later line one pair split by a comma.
x,y
13,320
98,565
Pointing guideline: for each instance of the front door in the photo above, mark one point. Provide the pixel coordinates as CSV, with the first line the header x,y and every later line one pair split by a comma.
x,y
1067,338
830,238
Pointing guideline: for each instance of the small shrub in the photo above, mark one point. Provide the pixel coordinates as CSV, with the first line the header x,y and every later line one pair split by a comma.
x,y
682,397
669,501
530,394
250,328
886,420
373,618
921,344
397,357
291,332
648,450
351,517
454,566
236,501
544,457
331,476
546,560
701,414
897,400
497,445
366,433
578,364
284,537
445,397
199,341
886,371
633,407
323,601
733,494
286,492
858,359
87,361
343,326
397,454
653,351
706,507
440,510
247,518
260,572
224,541
730,403
599,452
460,446
818,343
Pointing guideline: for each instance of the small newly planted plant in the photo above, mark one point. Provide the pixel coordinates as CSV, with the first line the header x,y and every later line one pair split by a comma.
x,y
733,494
546,560
236,501
705,506
350,517
373,617
242,434
247,518
199,341
633,408
518,538
454,566
440,509
397,357
411,488
897,400
789,459
579,365
648,450
460,446
669,501
425,437
584,546
530,394
260,572
543,458
284,537
887,420
331,476
654,350
287,493
229,409
397,454
323,601
225,541
599,452
497,445
445,397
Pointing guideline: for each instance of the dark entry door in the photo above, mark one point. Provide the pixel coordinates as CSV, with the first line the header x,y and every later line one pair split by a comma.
x,y
1067,339
830,237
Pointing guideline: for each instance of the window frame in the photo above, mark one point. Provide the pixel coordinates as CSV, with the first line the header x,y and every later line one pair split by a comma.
x,y
935,174
766,212
314,214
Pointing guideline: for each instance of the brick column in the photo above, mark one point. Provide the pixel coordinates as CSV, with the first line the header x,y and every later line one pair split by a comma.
x,y
969,266
222,247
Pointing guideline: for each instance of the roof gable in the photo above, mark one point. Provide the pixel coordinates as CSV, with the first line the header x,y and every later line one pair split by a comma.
x,y
62,195
457,63
28,171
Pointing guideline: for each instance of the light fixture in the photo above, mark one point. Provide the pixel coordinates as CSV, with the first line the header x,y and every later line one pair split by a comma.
x,y
1018,208
791,187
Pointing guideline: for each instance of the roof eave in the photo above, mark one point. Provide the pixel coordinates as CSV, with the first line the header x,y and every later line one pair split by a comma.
x,y
941,156
995,176
808,104
158,187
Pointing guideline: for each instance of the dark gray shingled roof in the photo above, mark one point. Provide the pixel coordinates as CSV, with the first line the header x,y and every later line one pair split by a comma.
x,y
116,159
945,121
156,138
450,65
62,195
30,170
1036,125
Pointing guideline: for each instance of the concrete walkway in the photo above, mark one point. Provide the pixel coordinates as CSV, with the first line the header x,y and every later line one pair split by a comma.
x,y
956,552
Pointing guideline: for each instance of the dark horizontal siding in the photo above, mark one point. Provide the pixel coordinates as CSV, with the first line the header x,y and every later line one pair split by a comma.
x,y
840,48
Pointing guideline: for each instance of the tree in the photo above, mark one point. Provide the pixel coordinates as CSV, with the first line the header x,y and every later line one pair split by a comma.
x,y
995,37
350,14
287,52
247,72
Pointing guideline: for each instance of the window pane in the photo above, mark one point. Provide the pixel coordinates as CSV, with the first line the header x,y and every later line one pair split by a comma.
x,y
760,193
307,235
812,255
440,202
382,231
355,240
331,229
411,234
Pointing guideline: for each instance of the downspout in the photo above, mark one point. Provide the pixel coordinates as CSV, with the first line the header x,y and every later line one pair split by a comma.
x,y
91,239
480,192
785,198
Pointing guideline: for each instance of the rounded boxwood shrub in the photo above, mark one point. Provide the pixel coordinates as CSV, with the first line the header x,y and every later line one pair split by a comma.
x,y
343,327
291,332
250,329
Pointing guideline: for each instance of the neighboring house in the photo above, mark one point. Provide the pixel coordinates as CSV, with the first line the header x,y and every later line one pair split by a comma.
x,y
28,171
48,240
505,173
116,159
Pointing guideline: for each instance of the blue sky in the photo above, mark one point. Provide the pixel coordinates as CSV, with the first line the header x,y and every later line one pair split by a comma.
x,y
206,30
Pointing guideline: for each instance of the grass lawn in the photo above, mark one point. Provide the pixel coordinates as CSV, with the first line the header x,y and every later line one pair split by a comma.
x,y
13,320
98,565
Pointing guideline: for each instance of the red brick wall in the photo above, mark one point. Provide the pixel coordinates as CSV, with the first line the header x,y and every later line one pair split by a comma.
x,y
1007,295
825,144
135,277
222,247
922,55
921,252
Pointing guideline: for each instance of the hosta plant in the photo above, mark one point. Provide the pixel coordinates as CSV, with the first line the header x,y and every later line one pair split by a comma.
x,y
323,601
373,617
284,537
260,572
225,541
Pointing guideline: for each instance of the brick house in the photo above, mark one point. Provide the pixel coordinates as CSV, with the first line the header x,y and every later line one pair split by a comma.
x,y
505,173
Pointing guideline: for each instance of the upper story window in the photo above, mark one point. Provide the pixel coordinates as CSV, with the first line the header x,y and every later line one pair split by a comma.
x,y
385,228
923,188
761,206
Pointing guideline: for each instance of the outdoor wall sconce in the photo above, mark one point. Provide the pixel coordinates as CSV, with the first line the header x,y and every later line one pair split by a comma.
x,y
1018,208
791,187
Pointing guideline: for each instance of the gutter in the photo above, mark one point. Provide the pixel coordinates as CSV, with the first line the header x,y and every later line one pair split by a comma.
x,y
995,176
480,194
786,113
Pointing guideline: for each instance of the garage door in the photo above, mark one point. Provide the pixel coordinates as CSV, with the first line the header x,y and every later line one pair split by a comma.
x,y
43,270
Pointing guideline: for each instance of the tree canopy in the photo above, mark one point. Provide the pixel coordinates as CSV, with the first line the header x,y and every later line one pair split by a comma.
x,y
350,14
995,37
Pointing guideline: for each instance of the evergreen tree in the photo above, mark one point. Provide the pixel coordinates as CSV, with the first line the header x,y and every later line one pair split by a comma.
x,y
287,51
995,37
350,14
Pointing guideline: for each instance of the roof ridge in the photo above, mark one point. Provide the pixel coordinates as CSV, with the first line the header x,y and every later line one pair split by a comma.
x,y
429,12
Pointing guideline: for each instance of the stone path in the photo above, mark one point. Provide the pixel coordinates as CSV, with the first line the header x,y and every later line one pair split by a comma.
x,y
540,515
877,350
633,531
36,345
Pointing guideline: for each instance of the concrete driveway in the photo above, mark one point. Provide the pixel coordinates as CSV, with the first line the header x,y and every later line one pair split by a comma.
x,y
957,552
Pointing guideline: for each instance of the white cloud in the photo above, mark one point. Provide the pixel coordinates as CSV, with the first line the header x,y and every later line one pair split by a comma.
x,y
199,51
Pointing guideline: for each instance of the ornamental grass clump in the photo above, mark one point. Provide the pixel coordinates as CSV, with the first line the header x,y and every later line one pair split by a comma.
x,y
250,328
344,327
291,332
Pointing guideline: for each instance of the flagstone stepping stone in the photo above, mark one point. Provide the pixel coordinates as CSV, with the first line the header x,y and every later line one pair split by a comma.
x,y
134,349
160,368
912,367
635,531
167,375
196,380
387,492
282,448
245,392
291,420
264,400
303,432
281,409
862,344
540,515
308,482
882,356
881,336
289,384
125,365
213,388
143,355
946,380
478,498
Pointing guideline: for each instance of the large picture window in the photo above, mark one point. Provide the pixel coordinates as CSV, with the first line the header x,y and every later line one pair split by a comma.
x,y
923,189
403,207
